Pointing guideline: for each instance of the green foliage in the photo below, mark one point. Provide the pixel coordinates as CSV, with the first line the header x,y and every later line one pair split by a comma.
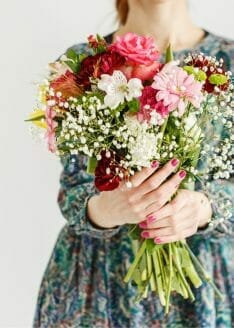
x,y
198,73
74,60
218,79
37,118
133,106
92,163
134,232
169,54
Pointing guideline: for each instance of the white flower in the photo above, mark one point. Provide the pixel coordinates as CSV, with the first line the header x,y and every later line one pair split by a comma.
x,y
118,89
142,144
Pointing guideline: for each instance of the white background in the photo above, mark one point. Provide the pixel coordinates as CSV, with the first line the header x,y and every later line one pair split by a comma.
x,y
33,33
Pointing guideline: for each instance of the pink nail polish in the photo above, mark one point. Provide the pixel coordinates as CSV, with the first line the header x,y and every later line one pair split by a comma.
x,y
143,225
151,218
155,164
182,174
145,234
174,162
157,240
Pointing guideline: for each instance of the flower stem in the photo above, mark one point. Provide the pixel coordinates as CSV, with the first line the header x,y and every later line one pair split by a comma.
x,y
170,279
135,262
180,271
158,278
203,272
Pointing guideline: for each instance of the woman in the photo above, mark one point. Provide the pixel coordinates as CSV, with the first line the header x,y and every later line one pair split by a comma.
x,y
82,285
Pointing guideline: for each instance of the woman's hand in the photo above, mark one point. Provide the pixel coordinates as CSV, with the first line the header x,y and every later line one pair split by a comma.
x,y
149,193
179,219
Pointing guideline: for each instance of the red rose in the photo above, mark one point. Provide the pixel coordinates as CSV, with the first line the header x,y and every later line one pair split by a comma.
x,y
94,66
106,177
67,85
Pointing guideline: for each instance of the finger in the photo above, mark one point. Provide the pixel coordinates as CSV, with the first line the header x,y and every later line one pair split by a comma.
x,y
163,194
153,214
144,174
165,222
156,179
174,214
154,233
172,238
168,223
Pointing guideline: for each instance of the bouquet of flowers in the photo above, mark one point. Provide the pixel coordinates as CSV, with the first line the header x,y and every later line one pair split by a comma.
x,y
124,109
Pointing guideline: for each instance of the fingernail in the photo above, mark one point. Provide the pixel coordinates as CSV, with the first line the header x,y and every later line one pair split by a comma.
x,y
143,225
151,218
155,164
182,174
157,240
174,162
145,234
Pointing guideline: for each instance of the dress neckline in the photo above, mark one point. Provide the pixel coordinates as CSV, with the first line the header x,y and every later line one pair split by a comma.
x,y
205,40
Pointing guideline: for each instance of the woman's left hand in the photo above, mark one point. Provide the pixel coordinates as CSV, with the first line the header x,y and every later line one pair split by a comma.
x,y
178,219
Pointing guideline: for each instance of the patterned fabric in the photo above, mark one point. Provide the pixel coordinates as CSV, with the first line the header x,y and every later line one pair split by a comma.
x,y
82,285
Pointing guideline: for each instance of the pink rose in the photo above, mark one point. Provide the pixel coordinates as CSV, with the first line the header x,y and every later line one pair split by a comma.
x,y
142,72
136,49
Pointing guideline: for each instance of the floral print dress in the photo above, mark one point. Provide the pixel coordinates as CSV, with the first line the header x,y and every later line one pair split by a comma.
x,y
83,286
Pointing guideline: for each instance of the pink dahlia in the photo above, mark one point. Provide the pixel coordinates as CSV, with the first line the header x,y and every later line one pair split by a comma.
x,y
176,88
149,105
136,49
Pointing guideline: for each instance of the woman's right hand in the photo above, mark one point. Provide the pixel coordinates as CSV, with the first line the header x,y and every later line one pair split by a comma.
x,y
149,192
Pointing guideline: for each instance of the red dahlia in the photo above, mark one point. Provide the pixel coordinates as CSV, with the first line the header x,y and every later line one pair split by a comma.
x,y
106,172
94,66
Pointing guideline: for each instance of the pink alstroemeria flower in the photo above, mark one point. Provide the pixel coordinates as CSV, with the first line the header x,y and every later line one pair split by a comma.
x,y
176,88
51,125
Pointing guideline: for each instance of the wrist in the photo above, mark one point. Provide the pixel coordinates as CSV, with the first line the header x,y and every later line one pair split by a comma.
x,y
205,211
96,214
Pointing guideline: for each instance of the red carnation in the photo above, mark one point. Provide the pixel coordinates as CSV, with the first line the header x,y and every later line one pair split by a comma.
x,y
106,172
148,104
67,85
94,66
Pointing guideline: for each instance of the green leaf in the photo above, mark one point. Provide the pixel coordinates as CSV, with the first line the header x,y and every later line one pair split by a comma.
x,y
37,118
71,54
198,73
218,79
169,54
135,233
133,106
73,66
75,60
92,163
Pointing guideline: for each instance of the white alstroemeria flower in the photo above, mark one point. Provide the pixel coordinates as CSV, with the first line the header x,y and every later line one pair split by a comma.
x,y
118,89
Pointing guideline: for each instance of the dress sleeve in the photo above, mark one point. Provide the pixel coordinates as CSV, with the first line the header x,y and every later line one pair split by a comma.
x,y
76,187
220,192
221,195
